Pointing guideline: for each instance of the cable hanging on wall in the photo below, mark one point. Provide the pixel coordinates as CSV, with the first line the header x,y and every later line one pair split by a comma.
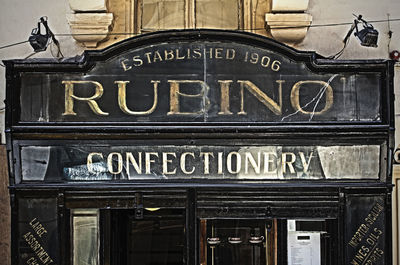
x,y
40,42
368,36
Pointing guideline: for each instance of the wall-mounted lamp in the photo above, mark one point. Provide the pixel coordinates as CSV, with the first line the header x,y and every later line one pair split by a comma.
x,y
368,36
40,42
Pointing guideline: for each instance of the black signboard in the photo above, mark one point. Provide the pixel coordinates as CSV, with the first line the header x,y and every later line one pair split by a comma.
x,y
91,162
199,78
38,234
365,232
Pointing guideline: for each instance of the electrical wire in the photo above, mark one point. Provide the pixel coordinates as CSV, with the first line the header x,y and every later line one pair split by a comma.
x,y
339,53
14,44
154,29
134,34
241,29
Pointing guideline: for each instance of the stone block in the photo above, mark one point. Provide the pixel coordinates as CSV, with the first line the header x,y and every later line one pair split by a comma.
x,y
289,5
88,5
90,28
289,28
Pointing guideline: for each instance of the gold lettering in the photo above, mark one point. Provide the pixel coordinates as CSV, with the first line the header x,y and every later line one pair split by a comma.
x,y
306,164
218,53
37,227
196,51
229,162
110,163
256,165
137,61
210,52
157,57
261,96
207,161
230,54
183,163
124,66
38,249
220,172
166,161
225,104
147,54
177,55
32,261
295,96
289,163
254,58
130,159
168,55
175,94
89,162
268,161
122,98
149,161
69,97
263,63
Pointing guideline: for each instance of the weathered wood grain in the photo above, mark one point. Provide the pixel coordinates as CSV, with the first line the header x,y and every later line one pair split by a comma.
x,y
5,224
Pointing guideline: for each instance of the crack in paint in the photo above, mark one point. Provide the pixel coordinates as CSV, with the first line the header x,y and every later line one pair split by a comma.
x,y
318,97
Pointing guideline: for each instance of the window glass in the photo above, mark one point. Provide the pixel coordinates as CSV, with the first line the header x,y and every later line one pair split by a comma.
x,y
163,14
156,239
311,241
85,234
222,14
237,242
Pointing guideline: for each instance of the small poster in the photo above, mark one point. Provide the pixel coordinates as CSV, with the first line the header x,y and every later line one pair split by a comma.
x,y
304,248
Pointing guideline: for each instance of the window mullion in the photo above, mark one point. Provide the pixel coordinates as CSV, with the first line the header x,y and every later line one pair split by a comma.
x,y
190,18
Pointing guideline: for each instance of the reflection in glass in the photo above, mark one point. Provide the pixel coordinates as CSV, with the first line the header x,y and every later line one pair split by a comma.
x,y
163,14
156,239
237,242
85,237
222,14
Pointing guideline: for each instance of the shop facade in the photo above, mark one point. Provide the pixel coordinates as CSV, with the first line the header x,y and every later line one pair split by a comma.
x,y
200,147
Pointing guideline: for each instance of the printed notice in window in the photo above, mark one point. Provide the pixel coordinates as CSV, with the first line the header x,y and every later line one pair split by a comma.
x,y
304,248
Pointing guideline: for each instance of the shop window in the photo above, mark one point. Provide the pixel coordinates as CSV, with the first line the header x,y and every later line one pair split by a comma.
x,y
85,236
238,242
141,16
311,241
179,14
156,239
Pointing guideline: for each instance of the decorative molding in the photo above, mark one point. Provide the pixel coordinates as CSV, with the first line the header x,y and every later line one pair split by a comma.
x,y
287,21
90,28
90,23
290,28
88,5
289,5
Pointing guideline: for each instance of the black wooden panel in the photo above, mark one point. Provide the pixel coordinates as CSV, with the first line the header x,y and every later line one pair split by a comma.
x,y
365,237
260,85
37,228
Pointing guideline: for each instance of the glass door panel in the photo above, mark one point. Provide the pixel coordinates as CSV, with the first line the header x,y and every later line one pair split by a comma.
x,y
157,239
237,242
